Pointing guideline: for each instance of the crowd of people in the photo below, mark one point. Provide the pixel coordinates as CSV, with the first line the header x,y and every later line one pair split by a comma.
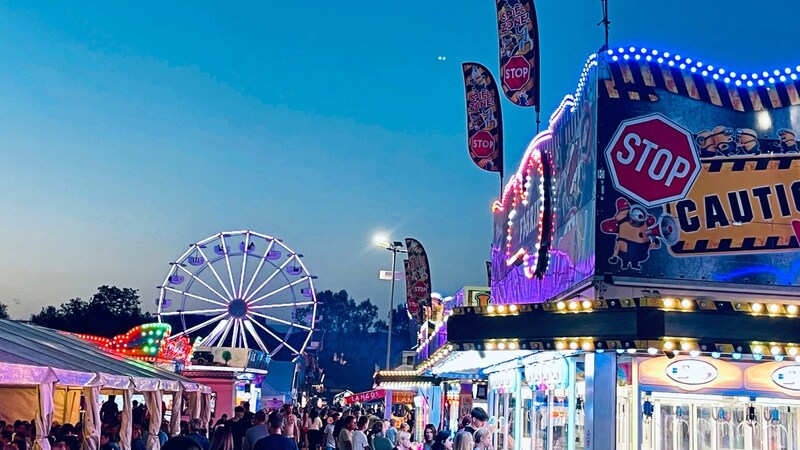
x,y
279,429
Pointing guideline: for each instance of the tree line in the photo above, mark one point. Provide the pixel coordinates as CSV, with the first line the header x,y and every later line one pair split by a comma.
x,y
351,334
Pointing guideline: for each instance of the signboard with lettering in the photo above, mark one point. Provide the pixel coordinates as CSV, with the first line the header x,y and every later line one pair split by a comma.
x,y
365,397
699,179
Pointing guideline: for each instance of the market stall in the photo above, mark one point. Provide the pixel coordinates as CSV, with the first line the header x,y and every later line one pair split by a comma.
x,y
645,254
69,367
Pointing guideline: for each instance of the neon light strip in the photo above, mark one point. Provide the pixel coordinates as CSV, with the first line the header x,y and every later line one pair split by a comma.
x,y
684,64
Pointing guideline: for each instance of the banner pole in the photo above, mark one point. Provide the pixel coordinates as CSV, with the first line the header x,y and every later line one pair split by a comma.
x,y
605,22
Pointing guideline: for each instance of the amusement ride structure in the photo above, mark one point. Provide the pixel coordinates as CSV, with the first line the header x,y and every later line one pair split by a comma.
x,y
240,289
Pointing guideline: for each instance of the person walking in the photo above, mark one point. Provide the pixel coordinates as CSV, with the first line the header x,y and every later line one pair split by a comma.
x,y
195,428
257,431
360,441
330,437
443,441
314,431
464,441
479,419
483,438
346,435
428,436
223,439
276,440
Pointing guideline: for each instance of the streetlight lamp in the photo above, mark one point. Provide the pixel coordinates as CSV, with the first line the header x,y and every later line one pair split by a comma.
x,y
395,247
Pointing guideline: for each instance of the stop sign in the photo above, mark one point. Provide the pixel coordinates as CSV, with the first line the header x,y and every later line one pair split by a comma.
x,y
411,305
420,289
482,144
652,160
516,73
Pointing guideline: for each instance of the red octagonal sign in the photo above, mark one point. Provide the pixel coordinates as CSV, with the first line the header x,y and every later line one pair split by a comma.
x,y
652,160
482,144
420,289
516,73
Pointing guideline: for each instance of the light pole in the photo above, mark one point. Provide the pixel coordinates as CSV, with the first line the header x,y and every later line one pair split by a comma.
x,y
395,247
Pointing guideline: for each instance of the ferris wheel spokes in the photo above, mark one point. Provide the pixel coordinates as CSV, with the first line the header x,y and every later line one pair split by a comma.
x,y
235,335
224,334
244,335
244,264
189,294
275,336
228,262
258,340
196,311
285,322
198,279
214,271
280,289
209,340
269,278
280,305
258,268
198,326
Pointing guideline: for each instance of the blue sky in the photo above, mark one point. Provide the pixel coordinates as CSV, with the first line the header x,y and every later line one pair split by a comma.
x,y
130,130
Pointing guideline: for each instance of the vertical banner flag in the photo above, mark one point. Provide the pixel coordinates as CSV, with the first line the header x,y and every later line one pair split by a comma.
x,y
418,276
518,33
412,305
484,119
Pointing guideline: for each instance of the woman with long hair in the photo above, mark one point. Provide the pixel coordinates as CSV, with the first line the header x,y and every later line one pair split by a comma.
x,y
428,436
443,441
314,430
464,441
483,438
223,438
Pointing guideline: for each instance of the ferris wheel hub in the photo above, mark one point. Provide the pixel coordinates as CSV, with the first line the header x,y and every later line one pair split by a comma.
x,y
237,308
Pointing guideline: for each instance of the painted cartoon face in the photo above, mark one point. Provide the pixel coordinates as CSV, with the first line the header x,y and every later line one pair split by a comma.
x,y
746,140
637,216
787,137
718,141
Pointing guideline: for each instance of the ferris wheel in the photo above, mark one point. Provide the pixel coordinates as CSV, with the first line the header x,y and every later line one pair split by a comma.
x,y
238,287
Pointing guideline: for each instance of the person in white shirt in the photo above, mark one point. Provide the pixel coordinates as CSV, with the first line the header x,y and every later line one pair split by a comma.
x,y
346,435
330,439
360,441
314,430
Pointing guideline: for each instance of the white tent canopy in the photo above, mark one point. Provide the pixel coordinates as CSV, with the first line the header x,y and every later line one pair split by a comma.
x,y
46,370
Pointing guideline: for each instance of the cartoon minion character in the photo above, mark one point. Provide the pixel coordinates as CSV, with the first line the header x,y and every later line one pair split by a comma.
x,y
788,142
631,224
717,142
747,142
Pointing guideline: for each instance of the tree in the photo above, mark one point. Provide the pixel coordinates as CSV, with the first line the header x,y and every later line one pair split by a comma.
x,y
227,356
109,312
3,311
350,344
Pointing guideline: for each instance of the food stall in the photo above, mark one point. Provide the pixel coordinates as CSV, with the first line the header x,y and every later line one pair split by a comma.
x,y
645,254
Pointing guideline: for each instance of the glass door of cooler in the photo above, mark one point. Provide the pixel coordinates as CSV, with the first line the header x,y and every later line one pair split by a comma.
x,y
720,423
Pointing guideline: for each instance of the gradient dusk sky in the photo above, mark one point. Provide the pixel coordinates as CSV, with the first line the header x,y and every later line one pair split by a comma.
x,y
129,130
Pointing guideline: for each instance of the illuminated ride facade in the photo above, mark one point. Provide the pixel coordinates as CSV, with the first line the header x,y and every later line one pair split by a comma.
x,y
645,267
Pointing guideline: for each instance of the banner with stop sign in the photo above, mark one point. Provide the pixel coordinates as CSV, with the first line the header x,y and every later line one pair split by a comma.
x,y
518,41
418,280
652,160
484,118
